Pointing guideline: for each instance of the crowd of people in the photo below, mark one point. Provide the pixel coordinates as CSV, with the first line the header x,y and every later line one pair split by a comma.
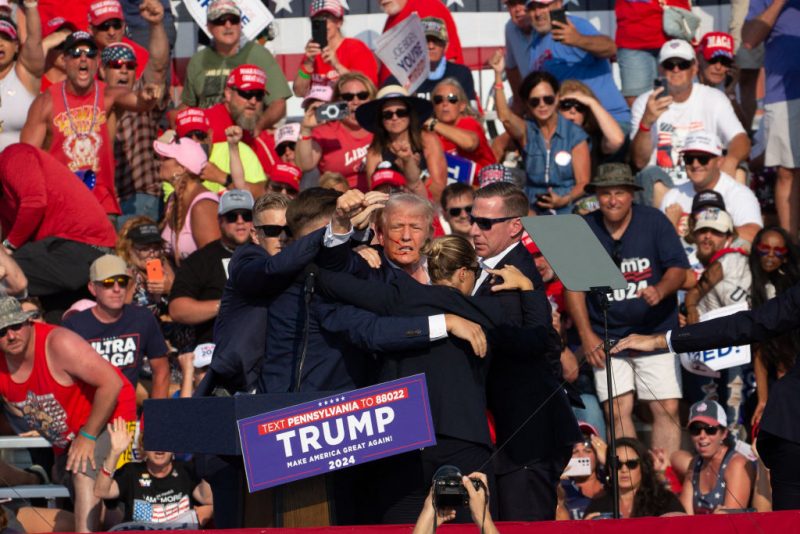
x,y
160,243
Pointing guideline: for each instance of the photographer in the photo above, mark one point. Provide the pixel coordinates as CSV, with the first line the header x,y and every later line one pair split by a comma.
x,y
478,508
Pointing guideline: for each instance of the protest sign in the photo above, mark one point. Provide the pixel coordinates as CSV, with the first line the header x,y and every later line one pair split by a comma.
x,y
404,51
332,433
459,169
255,15
709,362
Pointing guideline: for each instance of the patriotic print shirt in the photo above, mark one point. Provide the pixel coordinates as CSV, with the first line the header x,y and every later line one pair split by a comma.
x,y
156,500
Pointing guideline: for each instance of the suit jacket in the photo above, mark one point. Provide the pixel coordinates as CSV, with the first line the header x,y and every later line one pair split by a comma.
x,y
455,375
777,316
528,384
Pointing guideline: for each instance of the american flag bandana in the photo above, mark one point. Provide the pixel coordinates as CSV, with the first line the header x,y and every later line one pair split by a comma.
x,y
121,51
334,7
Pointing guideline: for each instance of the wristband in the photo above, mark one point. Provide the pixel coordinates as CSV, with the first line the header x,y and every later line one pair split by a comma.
x,y
87,435
106,472
8,245
303,74
432,124
499,86
643,128
305,138
228,180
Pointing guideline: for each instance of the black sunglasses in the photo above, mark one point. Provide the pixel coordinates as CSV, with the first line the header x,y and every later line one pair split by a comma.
x,y
233,216
117,64
280,187
400,113
281,149
455,212
107,25
75,53
630,464
258,94
197,135
703,159
725,61
13,327
108,283
274,230
696,429
361,95
534,101
233,19
570,103
485,223
438,99
670,64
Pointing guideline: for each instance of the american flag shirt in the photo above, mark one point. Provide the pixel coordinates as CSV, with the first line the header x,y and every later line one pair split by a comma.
x,y
156,500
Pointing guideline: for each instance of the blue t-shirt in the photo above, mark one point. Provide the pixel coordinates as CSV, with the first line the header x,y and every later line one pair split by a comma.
x,y
124,342
647,249
518,45
573,63
781,65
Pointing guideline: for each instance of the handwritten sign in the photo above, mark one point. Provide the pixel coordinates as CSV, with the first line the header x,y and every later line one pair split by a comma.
x,y
255,16
709,362
459,169
404,51
336,432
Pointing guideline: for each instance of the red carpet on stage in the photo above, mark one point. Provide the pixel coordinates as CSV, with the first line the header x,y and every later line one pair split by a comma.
x,y
768,523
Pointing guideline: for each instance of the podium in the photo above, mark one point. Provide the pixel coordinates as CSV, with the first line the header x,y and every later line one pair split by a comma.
x,y
207,425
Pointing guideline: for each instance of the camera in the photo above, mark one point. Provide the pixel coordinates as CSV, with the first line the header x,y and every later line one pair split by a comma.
x,y
448,492
335,111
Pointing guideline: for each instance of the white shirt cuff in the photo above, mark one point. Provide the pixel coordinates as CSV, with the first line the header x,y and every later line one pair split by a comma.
x,y
669,340
331,240
437,327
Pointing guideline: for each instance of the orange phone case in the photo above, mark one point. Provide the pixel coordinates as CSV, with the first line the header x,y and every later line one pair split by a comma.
x,y
155,272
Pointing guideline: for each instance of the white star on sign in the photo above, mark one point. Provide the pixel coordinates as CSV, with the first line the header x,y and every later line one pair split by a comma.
x,y
344,4
459,3
283,4
319,404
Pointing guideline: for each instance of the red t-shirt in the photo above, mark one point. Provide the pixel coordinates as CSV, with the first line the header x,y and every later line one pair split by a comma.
x,y
42,198
264,147
639,23
354,55
343,152
482,155
428,8
58,412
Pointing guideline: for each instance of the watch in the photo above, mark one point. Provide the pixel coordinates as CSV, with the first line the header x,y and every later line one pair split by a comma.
x,y
8,245
432,124
228,180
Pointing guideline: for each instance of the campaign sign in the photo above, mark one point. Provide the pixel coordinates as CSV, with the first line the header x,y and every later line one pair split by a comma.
x,y
255,15
332,433
459,169
709,362
404,51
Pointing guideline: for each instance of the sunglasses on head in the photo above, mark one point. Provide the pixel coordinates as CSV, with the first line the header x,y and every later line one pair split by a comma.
x,y
724,61
258,94
630,464
279,187
75,53
548,100
702,159
281,150
274,230
570,103
117,64
696,428
765,250
400,113
13,327
233,216
348,97
235,20
108,283
438,99
670,64
486,223
455,212
107,25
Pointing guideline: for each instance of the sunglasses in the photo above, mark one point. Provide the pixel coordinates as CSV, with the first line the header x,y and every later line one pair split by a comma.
x,y
13,327
235,20
75,53
281,150
696,429
197,135
670,64
117,64
702,159
233,216
548,100
400,113
107,25
258,94
108,283
455,212
361,95
725,61
571,103
278,187
438,99
485,223
765,250
274,230
630,464
141,249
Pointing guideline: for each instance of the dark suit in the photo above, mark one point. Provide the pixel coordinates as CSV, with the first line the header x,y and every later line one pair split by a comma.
x,y
529,465
779,438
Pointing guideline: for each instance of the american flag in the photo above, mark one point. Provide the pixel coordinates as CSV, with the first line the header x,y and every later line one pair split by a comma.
x,y
159,513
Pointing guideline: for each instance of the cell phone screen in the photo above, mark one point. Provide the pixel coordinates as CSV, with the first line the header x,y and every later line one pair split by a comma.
x,y
319,32
558,15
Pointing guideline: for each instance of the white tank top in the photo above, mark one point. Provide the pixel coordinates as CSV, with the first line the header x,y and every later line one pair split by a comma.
x,y
14,103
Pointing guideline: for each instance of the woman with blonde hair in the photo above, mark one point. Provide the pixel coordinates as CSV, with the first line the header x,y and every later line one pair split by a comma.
x,y
139,244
